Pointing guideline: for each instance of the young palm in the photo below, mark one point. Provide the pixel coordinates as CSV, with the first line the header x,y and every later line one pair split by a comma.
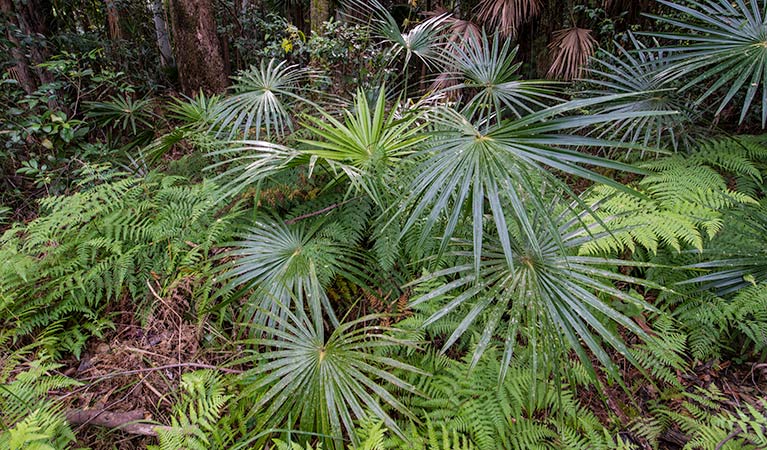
x,y
472,168
635,71
367,144
323,383
263,99
546,292
424,41
487,70
723,43
282,263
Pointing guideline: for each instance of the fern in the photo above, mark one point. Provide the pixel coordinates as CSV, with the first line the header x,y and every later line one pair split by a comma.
x,y
98,245
195,417
29,420
685,197
701,416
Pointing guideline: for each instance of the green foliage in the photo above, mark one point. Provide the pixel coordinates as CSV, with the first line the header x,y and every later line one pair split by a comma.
x,y
29,420
722,43
292,262
368,144
469,169
100,244
718,326
545,292
522,411
424,40
635,72
488,76
263,99
323,382
684,202
701,416
122,112
195,416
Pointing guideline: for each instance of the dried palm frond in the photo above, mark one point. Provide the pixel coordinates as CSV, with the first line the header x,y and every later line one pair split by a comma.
x,y
572,48
507,15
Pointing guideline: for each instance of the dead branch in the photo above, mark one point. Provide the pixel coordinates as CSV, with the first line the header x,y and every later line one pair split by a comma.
x,y
129,422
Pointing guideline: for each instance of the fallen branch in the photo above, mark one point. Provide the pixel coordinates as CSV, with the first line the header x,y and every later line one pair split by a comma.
x,y
321,211
128,422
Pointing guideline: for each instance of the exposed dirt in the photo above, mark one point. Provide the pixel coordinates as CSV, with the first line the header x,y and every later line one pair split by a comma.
x,y
138,367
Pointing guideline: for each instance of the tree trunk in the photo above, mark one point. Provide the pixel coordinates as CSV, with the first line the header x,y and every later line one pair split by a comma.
x,y
27,22
319,13
161,30
113,21
198,53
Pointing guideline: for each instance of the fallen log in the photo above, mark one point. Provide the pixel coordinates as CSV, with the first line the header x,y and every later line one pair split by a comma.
x,y
129,421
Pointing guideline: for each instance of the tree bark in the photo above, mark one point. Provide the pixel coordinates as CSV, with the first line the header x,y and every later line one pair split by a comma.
x,y
113,21
319,13
27,22
161,30
198,53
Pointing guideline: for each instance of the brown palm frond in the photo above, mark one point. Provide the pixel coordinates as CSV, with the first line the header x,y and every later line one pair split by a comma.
x,y
572,48
458,29
507,15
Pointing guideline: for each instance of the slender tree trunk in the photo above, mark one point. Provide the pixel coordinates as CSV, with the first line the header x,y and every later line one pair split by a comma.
x,y
319,13
198,53
161,30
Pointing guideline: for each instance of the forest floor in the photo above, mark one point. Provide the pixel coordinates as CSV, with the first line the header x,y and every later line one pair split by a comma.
x,y
132,374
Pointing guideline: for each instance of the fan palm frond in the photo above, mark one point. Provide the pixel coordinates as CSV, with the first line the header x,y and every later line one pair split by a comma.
x,y
545,293
722,42
424,41
263,99
286,262
248,162
507,15
735,268
488,68
325,382
571,49
634,71
368,144
497,167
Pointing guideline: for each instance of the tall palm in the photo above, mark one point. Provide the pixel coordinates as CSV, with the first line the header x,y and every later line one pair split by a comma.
x,y
545,292
723,43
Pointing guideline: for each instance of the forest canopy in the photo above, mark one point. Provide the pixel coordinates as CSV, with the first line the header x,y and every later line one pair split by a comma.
x,y
374,225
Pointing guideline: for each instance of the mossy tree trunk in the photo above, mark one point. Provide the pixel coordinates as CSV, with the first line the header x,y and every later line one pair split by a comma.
x,y
198,51
319,13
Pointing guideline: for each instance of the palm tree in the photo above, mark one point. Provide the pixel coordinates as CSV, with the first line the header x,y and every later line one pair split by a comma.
x,y
263,99
323,382
546,292
723,43
635,71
